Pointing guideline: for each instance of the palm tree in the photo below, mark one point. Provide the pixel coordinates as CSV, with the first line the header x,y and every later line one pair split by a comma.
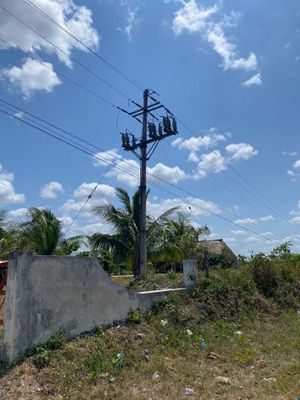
x,y
124,240
43,235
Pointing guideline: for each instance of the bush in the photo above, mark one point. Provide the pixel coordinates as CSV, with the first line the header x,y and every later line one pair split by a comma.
x,y
266,274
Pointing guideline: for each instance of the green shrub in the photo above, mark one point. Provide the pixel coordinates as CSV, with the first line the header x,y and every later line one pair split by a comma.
x,y
266,274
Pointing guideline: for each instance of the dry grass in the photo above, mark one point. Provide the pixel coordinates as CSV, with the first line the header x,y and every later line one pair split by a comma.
x,y
267,347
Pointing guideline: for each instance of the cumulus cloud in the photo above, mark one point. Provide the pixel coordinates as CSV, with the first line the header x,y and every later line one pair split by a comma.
x,y
18,213
296,164
194,18
240,151
51,190
238,232
246,221
195,143
290,153
104,157
8,194
192,206
102,194
210,162
102,191
254,80
32,77
267,218
127,172
252,239
76,19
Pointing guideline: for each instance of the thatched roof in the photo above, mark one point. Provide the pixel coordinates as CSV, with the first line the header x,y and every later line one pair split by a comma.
x,y
218,248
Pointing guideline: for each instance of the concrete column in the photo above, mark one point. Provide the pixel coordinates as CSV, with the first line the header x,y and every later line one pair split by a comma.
x,y
190,273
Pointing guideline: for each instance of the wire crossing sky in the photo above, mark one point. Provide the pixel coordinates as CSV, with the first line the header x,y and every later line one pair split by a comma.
x,y
226,70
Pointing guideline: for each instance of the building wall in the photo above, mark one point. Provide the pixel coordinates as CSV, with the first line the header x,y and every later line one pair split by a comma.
x,y
50,294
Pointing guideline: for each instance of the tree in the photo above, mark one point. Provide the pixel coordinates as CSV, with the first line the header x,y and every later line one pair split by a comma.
x,y
124,239
42,234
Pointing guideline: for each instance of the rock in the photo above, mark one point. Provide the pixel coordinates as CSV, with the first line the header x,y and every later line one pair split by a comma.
x,y
188,332
189,391
270,380
164,322
223,380
104,375
213,356
238,333
140,335
111,379
156,375
146,357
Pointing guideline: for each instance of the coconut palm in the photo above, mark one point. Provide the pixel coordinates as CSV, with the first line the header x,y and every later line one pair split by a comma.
x,y
124,239
42,234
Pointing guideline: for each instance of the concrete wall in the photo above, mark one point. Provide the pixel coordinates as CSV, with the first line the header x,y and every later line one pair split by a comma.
x,y
50,294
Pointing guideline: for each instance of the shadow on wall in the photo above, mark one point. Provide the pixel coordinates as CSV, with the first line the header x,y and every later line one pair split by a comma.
x,y
50,294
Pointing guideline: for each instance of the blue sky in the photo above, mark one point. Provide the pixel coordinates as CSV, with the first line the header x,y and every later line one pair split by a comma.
x,y
228,70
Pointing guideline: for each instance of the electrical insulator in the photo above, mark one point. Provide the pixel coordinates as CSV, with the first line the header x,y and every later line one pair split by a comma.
x,y
160,129
123,140
133,142
174,126
152,130
167,124
126,139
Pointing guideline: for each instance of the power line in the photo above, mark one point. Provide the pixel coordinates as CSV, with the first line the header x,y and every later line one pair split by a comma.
x,y
65,53
130,173
116,69
68,78
36,8
231,178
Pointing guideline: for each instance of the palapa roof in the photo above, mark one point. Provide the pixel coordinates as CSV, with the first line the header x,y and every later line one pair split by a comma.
x,y
217,247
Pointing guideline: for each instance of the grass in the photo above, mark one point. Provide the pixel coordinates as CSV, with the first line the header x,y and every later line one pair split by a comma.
x,y
120,362
237,336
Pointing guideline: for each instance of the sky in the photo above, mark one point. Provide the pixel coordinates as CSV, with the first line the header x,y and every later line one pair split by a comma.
x,y
230,71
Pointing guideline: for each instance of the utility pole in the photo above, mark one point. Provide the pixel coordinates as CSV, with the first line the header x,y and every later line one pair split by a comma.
x,y
152,134
143,192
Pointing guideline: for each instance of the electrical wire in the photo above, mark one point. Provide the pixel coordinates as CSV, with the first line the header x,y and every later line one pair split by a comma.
x,y
65,53
116,69
130,173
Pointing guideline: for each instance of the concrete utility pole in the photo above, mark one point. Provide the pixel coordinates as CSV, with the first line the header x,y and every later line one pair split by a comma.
x,y
157,131
143,191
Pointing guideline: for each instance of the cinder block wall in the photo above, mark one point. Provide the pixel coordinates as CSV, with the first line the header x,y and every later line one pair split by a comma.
x,y
50,294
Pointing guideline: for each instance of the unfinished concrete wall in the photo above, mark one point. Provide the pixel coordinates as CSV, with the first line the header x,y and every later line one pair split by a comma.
x,y
50,294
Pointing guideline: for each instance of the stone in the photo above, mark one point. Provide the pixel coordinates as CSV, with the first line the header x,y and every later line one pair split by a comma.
x,y
104,375
189,333
111,379
140,335
189,391
270,380
222,380
213,356
239,333
164,322
156,375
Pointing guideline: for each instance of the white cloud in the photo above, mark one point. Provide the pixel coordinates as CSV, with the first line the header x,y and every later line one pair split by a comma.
x,y
195,19
290,153
238,232
252,239
296,164
195,143
162,171
240,151
192,206
213,161
51,190
32,77
192,18
127,172
267,218
7,192
18,213
246,221
254,80
229,239
228,50
103,192
131,22
76,19
104,157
